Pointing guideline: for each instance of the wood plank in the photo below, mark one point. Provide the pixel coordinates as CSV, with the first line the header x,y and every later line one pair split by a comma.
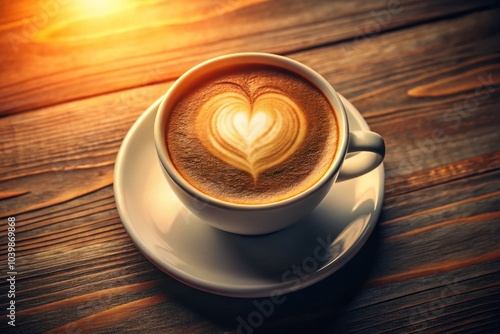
x,y
109,263
110,317
421,150
398,183
432,264
435,309
442,262
55,53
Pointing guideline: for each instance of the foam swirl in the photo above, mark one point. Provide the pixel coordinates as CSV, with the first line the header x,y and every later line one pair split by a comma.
x,y
252,137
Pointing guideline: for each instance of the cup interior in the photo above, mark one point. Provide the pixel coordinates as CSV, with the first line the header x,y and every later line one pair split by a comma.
x,y
192,76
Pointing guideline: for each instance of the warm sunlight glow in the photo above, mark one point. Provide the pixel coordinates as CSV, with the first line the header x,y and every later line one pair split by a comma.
x,y
101,7
85,20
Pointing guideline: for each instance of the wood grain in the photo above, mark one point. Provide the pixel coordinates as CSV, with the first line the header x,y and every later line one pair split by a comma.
x,y
173,37
427,80
417,144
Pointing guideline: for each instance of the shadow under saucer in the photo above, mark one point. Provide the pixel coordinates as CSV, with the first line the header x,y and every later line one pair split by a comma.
x,y
313,309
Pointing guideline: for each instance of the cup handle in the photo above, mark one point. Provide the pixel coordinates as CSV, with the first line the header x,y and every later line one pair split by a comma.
x,y
365,152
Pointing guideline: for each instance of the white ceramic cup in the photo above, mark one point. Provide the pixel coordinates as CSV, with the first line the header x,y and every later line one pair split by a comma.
x,y
252,219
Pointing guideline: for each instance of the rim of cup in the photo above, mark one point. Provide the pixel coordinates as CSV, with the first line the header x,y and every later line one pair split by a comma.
x,y
257,58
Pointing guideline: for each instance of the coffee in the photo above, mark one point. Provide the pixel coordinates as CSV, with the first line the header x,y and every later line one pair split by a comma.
x,y
252,134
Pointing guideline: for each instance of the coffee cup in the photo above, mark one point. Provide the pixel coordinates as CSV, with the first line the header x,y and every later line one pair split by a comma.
x,y
252,142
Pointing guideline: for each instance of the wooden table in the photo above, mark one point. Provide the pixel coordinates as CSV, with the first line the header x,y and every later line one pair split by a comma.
x,y
75,75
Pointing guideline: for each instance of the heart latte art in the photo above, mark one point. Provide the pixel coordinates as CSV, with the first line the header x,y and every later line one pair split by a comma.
x,y
252,137
251,134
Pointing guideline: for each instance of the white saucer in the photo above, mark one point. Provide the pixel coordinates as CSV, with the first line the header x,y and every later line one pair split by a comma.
x,y
208,259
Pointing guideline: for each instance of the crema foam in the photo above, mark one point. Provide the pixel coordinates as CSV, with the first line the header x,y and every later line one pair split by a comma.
x,y
252,134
